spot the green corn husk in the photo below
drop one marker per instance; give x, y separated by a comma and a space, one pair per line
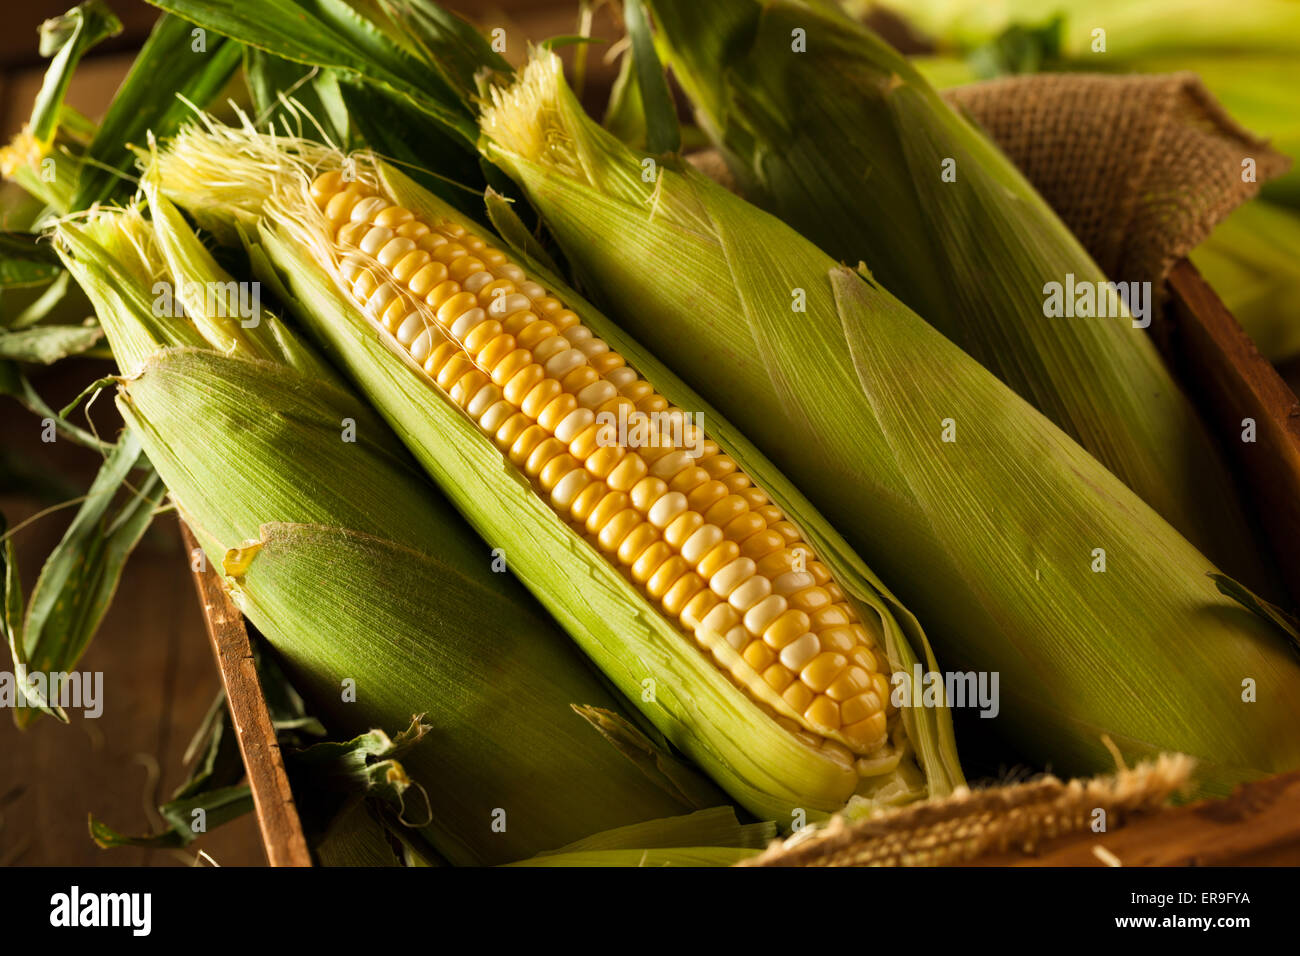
991, 536
848, 144
353, 567
705, 838
1252, 260
242, 180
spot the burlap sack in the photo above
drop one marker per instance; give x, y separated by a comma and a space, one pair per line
1140, 168
970, 824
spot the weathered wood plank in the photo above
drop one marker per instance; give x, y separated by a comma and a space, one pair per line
277, 816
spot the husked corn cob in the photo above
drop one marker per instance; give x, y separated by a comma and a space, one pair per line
678, 516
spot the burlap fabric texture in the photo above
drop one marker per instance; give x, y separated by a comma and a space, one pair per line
971, 823
1140, 168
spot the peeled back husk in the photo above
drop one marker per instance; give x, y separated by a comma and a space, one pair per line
366, 582
680, 690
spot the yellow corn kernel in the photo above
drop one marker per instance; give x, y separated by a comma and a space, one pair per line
690, 529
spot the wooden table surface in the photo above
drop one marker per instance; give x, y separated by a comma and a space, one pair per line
159, 680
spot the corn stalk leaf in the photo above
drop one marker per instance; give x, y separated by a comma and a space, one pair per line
661, 132
568, 39
337, 36
393, 128
77, 581
313, 91
460, 53
15, 384
26, 261
213, 782
167, 67
625, 113
66, 38
11, 611
218, 806
220, 764
52, 297
294, 725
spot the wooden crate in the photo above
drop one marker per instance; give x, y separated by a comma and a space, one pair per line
1260, 824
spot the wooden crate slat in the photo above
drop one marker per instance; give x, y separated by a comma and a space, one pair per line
277, 817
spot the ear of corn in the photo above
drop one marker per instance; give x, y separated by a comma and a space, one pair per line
113, 258
355, 570
993, 536
971, 256
631, 545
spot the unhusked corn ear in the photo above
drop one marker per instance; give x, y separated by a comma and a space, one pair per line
675, 514
971, 257
982, 534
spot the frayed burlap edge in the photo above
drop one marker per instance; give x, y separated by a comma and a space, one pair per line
971, 823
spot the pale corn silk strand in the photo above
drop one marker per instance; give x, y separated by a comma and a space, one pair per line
678, 516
